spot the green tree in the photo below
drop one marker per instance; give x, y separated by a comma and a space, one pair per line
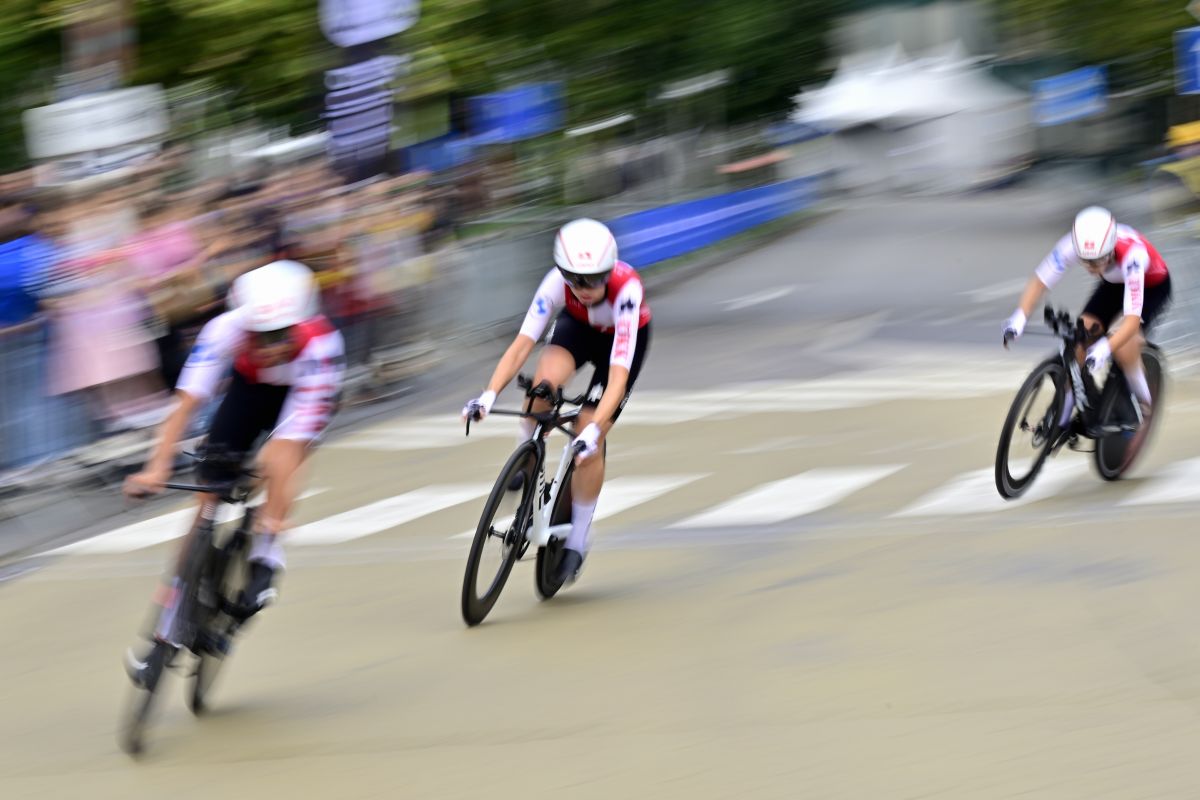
1134, 37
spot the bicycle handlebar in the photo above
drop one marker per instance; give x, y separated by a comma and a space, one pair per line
542, 391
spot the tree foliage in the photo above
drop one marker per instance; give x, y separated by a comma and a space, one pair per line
614, 55
1134, 37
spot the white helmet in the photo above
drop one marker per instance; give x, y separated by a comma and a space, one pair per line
276, 296
585, 247
1094, 233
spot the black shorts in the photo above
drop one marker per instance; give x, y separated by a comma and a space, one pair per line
589, 346
248, 413
1108, 302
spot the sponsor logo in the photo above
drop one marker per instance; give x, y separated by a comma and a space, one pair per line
596, 392
541, 306
621, 350
627, 306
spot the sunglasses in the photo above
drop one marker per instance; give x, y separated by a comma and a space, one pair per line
1097, 263
585, 281
272, 338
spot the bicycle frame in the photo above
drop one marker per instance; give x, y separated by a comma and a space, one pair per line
540, 530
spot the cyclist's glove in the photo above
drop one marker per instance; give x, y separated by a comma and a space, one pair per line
1098, 355
1014, 327
588, 440
475, 410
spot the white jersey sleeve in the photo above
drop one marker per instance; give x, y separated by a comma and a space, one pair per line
1134, 266
627, 309
315, 394
1056, 264
211, 356
551, 297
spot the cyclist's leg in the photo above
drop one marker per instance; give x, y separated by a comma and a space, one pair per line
298, 418
1102, 307
589, 476
560, 358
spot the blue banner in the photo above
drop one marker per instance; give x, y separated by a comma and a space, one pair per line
1187, 61
647, 237
522, 112
1070, 96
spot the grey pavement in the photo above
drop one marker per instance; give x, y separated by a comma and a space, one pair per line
803, 582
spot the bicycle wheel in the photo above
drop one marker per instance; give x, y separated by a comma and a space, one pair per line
225, 571
550, 555
500, 536
141, 705
1117, 450
1031, 425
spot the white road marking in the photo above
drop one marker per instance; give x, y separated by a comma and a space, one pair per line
626, 492
975, 492
1010, 288
757, 298
156, 530
791, 497
1178, 483
380, 516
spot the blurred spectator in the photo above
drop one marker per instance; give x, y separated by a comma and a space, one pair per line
101, 342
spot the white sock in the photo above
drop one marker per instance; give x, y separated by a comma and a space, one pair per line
1068, 409
526, 426
581, 525
268, 549
1136, 378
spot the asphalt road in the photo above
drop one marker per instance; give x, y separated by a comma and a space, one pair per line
803, 583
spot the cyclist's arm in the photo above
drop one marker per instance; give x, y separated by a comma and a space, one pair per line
1048, 274
306, 414
550, 298
1031, 295
1134, 269
614, 392
627, 309
206, 365
511, 362
158, 468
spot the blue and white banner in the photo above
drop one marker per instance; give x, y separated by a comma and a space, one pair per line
1070, 96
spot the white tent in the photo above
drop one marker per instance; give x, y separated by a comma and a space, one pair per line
938, 121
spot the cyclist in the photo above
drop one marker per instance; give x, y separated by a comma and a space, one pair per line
1134, 282
604, 321
285, 363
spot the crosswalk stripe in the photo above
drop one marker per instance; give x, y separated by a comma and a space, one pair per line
384, 514
626, 492
1178, 483
156, 530
975, 492
791, 497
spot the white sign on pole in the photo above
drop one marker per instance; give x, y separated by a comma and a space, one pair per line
96, 122
347, 23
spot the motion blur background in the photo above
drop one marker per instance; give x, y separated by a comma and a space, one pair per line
804, 582
154, 150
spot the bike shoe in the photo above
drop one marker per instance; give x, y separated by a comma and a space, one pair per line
569, 567
259, 593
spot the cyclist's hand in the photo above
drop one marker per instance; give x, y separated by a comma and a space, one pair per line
475, 410
1098, 355
1014, 327
144, 484
587, 442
